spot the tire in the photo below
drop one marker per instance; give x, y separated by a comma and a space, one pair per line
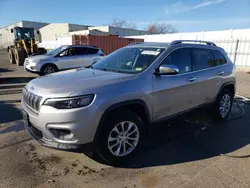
108, 150
11, 56
42, 51
20, 55
48, 69
223, 105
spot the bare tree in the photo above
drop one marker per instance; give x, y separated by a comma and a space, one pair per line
117, 22
161, 28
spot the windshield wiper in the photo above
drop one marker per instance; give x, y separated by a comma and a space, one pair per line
106, 69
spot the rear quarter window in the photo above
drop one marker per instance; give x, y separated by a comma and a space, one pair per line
219, 57
92, 50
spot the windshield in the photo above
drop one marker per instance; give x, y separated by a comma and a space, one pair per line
24, 33
129, 60
56, 51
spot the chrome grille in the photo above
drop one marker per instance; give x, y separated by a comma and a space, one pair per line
32, 100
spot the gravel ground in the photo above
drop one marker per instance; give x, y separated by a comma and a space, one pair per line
174, 155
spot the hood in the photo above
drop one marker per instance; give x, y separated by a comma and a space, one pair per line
65, 83
39, 57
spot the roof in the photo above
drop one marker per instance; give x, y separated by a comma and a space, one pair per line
175, 42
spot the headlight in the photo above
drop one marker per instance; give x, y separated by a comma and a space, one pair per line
34, 61
68, 103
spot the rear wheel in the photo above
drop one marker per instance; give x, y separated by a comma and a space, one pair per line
48, 69
20, 55
120, 137
223, 105
11, 56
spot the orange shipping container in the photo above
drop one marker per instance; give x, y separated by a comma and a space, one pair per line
107, 43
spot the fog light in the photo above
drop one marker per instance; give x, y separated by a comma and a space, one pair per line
63, 134
32, 67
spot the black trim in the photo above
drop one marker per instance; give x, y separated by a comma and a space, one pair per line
182, 112
225, 85
120, 105
59, 146
35, 72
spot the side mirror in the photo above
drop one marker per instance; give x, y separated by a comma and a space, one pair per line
37, 32
11, 30
167, 70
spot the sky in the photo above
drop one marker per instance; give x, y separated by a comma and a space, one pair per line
184, 15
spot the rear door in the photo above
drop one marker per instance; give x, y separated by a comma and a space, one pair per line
175, 93
207, 74
85, 55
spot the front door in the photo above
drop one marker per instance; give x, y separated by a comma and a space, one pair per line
175, 93
66, 59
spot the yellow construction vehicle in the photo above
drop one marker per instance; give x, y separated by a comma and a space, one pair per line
24, 45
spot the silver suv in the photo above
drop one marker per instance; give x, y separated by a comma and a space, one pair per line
63, 58
110, 105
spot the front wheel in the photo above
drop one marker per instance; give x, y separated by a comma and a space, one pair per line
223, 104
120, 137
48, 69
20, 56
11, 56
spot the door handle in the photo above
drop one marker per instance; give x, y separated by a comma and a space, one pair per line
191, 79
220, 72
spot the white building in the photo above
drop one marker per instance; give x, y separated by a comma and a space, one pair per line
54, 31
6, 37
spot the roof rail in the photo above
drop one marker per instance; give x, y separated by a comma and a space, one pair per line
195, 41
134, 43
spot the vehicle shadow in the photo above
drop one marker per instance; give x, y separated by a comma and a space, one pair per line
9, 112
192, 140
11, 86
12, 91
15, 80
14, 128
192, 137
3, 70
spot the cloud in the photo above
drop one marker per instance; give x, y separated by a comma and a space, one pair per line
180, 7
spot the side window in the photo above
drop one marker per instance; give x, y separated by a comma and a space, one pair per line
181, 59
67, 52
219, 57
85, 51
80, 51
203, 58
92, 50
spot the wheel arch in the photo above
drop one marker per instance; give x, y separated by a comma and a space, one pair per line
47, 64
228, 85
137, 106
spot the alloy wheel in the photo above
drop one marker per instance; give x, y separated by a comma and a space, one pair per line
123, 138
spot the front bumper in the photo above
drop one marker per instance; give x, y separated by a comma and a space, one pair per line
36, 134
31, 67
31, 71
82, 123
